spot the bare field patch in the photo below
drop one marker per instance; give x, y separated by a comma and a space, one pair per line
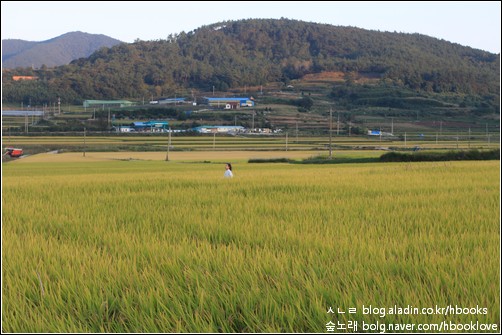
337, 76
160, 156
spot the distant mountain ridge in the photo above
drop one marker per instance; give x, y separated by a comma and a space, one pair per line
56, 51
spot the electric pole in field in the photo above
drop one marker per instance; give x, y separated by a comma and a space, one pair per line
330, 131
168, 144
296, 131
83, 154
252, 127
338, 124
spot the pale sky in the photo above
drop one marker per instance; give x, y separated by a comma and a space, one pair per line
469, 23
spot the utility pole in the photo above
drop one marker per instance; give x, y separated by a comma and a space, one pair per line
392, 126
214, 140
84, 143
59, 106
168, 145
330, 131
286, 141
338, 124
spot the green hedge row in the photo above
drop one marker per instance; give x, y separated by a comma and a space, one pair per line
441, 156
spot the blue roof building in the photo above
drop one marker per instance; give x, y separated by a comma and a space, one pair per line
152, 126
232, 102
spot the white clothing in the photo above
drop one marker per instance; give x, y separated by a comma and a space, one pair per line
228, 174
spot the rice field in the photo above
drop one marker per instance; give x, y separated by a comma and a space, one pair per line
143, 245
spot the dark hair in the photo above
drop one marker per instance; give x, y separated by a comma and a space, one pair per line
229, 166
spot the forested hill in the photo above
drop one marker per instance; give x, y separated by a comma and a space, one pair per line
257, 51
60, 50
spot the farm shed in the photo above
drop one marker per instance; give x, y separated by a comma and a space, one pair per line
232, 102
107, 103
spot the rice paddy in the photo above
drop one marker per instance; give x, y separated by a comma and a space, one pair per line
127, 242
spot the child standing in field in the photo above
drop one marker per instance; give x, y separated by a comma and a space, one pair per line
228, 171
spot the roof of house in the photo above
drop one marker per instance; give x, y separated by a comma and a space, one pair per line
219, 127
227, 99
108, 101
172, 99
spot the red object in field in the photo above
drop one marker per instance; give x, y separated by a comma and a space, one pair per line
14, 152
